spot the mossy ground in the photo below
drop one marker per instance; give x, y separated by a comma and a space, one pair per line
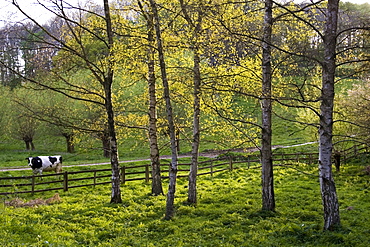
228, 213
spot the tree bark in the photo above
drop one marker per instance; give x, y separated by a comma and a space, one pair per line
170, 209
69, 141
327, 185
192, 191
157, 188
29, 144
104, 137
268, 197
108, 81
70, 144
337, 161
197, 28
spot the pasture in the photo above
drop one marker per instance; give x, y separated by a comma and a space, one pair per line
228, 213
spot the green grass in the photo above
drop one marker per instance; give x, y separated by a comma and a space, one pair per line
228, 214
13, 153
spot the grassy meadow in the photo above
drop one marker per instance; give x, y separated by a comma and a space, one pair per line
228, 213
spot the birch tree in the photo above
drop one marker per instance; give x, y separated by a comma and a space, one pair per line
268, 197
327, 185
195, 32
157, 188
107, 85
170, 208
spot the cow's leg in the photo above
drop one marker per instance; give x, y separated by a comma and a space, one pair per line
39, 173
58, 169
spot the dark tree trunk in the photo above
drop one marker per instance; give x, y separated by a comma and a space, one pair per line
170, 209
70, 142
268, 197
327, 185
337, 161
104, 137
28, 140
32, 145
157, 188
108, 81
29, 145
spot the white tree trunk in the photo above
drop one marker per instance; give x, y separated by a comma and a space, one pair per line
157, 188
268, 197
108, 81
170, 210
192, 192
327, 185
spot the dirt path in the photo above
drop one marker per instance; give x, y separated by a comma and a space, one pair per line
209, 154
22, 168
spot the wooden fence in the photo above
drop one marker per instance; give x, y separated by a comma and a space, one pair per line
67, 180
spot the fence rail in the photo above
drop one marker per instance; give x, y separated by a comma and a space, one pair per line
74, 179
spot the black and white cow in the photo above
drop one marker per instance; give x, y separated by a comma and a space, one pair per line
45, 163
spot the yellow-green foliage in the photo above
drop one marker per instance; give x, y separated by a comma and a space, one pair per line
353, 107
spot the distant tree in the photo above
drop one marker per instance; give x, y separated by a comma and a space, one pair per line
64, 117
23, 125
36, 57
23, 51
354, 107
69, 136
10, 63
25, 129
353, 40
5, 110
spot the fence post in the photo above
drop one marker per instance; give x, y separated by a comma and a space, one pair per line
337, 160
231, 164
147, 173
33, 184
94, 178
123, 174
211, 168
249, 163
65, 181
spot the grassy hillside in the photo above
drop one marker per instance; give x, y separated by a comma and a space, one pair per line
88, 149
228, 214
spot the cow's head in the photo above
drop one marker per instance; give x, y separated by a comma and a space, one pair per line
29, 159
34, 162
